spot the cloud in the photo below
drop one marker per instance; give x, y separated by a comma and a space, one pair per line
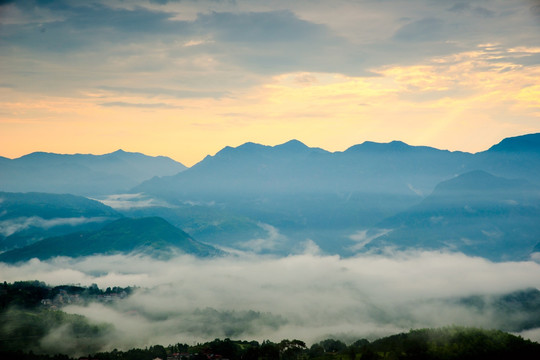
364, 237
427, 29
308, 296
261, 27
132, 201
154, 91
467, 8
69, 57
140, 105
273, 240
11, 226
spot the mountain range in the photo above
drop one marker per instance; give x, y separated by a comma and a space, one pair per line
334, 198
368, 197
82, 174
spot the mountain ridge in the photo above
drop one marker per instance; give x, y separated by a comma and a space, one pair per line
83, 174
29, 217
477, 213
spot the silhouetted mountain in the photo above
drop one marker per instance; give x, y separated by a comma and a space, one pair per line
153, 236
309, 192
529, 143
29, 217
294, 167
515, 157
475, 213
398, 167
82, 174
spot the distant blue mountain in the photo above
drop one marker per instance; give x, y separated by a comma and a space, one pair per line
475, 213
519, 144
294, 167
309, 192
81, 174
312, 193
515, 157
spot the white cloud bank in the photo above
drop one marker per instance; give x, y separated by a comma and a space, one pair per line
307, 296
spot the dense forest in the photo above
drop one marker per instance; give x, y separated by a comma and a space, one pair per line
28, 310
440, 344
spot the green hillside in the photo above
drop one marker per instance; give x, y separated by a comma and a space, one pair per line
153, 236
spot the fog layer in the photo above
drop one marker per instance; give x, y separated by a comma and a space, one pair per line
307, 296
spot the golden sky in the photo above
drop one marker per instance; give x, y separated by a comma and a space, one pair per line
185, 79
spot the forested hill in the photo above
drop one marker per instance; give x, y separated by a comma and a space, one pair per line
152, 236
444, 343
30, 311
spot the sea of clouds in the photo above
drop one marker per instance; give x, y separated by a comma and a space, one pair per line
308, 296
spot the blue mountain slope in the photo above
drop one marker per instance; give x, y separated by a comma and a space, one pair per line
29, 217
515, 157
152, 236
475, 213
82, 174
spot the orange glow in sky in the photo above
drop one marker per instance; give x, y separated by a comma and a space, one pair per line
187, 96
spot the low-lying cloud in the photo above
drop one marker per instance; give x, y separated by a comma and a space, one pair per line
132, 201
11, 226
307, 296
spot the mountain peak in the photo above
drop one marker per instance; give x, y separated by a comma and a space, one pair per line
292, 144
480, 181
380, 147
522, 143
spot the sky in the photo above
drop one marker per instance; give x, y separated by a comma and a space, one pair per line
186, 78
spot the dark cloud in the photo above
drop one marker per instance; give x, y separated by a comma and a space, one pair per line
535, 10
272, 41
278, 41
204, 54
467, 8
86, 24
262, 27
460, 7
